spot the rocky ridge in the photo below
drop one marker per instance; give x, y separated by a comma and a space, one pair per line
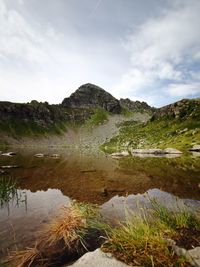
186, 108
135, 105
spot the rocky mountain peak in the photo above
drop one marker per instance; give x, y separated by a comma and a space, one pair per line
92, 96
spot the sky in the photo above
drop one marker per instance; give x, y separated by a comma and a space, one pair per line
146, 50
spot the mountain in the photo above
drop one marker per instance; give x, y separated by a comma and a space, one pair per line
92, 96
37, 118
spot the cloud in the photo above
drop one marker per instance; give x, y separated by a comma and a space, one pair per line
163, 51
179, 90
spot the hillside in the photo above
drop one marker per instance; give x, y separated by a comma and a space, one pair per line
88, 104
176, 125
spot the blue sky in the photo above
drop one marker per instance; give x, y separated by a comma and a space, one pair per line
144, 50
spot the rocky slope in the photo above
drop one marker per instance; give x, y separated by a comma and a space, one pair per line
130, 105
176, 126
184, 109
92, 96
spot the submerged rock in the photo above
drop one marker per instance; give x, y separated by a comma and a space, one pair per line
98, 258
9, 167
120, 154
55, 156
9, 154
39, 155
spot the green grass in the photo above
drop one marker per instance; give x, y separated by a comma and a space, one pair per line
19, 128
176, 219
180, 134
141, 240
100, 116
7, 190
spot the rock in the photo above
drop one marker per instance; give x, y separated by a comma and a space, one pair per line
155, 151
9, 166
9, 154
135, 105
55, 156
172, 151
195, 256
186, 108
98, 258
195, 148
92, 96
39, 155
120, 154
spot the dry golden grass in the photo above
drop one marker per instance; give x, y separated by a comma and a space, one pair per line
61, 234
64, 227
24, 258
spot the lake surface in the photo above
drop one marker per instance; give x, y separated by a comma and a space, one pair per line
44, 184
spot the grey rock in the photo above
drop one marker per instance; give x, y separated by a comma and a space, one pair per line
92, 96
135, 105
39, 155
120, 154
186, 108
195, 256
9, 154
9, 167
147, 151
172, 151
55, 156
195, 148
98, 258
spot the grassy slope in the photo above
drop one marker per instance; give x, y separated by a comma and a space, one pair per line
163, 133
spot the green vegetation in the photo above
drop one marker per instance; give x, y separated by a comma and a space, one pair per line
67, 235
163, 133
7, 190
99, 117
20, 128
140, 240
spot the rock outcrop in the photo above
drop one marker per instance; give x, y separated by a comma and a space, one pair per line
92, 96
135, 105
186, 108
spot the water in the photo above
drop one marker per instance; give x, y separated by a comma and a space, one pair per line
45, 184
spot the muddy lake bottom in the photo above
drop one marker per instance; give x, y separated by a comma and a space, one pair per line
45, 184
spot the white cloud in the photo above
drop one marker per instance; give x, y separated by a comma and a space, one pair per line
187, 90
162, 51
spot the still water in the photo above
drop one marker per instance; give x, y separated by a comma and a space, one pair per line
44, 184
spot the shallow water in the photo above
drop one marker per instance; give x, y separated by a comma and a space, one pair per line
45, 184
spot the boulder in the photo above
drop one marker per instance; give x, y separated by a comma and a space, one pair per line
172, 151
120, 154
9, 154
39, 155
156, 151
195, 148
98, 258
9, 167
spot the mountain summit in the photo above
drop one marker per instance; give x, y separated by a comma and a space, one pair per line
92, 96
